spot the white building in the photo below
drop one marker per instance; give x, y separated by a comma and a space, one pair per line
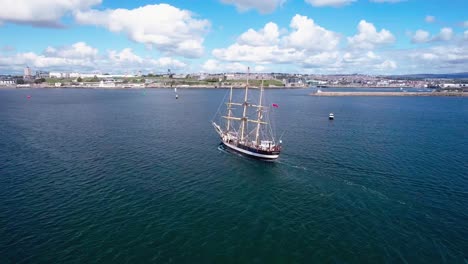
109, 84
451, 85
6, 82
27, 73
58, 75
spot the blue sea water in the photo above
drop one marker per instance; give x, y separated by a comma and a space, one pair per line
133, 176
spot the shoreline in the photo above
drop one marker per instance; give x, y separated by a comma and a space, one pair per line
425, 94
146, 87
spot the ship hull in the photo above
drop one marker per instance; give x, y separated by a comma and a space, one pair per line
260, 154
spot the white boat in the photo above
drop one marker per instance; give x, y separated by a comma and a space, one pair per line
255, 141
331, 116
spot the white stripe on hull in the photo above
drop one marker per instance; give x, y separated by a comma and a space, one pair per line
263, 156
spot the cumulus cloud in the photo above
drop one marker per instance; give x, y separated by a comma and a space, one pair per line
171, 30
263, 6
168, 62
309, 36
322, 59
267, 46
420, 36
450, 57
368, 37
263, 54
42, 13
430, 19
127, 58
387, 65
264, 37
42, 61
445, 34
305, 45
357, 57
82, 57
124, 56
332, 3
77, 50
215, 66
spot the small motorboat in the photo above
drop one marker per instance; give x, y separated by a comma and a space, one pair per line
331, 116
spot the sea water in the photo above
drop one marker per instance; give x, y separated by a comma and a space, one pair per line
137, 176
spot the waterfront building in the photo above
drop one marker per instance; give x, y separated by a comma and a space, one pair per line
7, 82
27, 73
42, 74
58, 75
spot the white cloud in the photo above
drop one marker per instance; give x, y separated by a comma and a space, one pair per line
465, 34
82, 57
77, 50
127, 58
387, 65
260, 68
41, 12
305, 40
465, 24
333, 3
167, 62
322, 59
306, 46
124, 56
171, 30
445, 34
359, 57
215, 66
430, 19
266, 36
444, 56
309, 36
211, 66
17, 61
420, 36
263, 6
368, 37
262, 54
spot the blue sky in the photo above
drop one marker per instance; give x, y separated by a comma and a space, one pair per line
297, 36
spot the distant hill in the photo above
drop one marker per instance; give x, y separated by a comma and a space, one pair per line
460, 75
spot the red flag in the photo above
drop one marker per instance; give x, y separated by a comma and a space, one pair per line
275, 105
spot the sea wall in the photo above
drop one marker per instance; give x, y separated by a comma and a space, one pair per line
389, 94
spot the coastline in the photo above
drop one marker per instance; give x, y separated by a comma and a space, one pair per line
423, 94
145, 87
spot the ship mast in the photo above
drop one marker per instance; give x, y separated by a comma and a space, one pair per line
228, 125
259, 114
244, 117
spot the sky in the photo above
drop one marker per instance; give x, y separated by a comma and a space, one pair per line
216, 36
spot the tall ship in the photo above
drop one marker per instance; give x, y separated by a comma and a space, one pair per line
247, 128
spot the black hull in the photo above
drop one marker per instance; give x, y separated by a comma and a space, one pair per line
252, 152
